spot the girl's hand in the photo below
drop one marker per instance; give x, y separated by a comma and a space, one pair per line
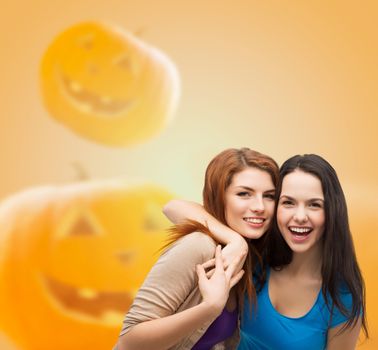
229, 253
215, 290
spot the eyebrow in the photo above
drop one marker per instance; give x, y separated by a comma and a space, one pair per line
309, 200
252, 190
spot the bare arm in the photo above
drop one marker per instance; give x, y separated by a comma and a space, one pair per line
179, 210
165, 331
346, 340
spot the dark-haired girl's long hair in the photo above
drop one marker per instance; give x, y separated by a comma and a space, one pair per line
340, 268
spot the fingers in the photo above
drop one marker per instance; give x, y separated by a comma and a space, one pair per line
235, 279
220, 267
201, 273
209, 263
210, 273
218, 259
209, 266
234, 264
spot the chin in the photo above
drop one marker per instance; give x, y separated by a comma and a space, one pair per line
253, 235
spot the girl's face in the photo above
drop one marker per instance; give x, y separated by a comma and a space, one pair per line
249, 203
300, 211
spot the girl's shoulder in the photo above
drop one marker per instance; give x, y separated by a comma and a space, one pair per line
197, 245
333, 313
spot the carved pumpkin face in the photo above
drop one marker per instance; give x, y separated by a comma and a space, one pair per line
107, 85
72, 259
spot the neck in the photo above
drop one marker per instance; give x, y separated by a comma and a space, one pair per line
308, 263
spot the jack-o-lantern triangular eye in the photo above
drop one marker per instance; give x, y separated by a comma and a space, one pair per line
79, 223
154, 220
83, 227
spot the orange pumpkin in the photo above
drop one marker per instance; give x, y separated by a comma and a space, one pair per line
71, 259
107, 85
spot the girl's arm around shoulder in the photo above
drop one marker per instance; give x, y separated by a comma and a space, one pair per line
178, 210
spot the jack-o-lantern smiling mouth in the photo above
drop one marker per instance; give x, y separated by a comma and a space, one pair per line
103, 306
90, 102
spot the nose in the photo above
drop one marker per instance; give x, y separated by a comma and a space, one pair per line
300, 215
257, 205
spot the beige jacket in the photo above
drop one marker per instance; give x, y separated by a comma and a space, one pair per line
172, 286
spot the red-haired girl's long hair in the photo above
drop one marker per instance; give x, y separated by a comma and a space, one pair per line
218, 177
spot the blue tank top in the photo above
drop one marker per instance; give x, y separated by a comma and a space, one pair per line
266, 329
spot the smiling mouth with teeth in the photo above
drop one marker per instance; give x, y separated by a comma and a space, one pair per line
300, 231
254, 220
88, 101
109, 307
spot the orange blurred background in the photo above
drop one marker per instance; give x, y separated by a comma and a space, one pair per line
279, 77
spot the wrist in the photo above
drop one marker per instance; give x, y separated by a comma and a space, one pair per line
238, 240
227, 235
213, 309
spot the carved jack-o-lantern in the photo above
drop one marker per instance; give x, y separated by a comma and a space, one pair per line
107, 85
71, 259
